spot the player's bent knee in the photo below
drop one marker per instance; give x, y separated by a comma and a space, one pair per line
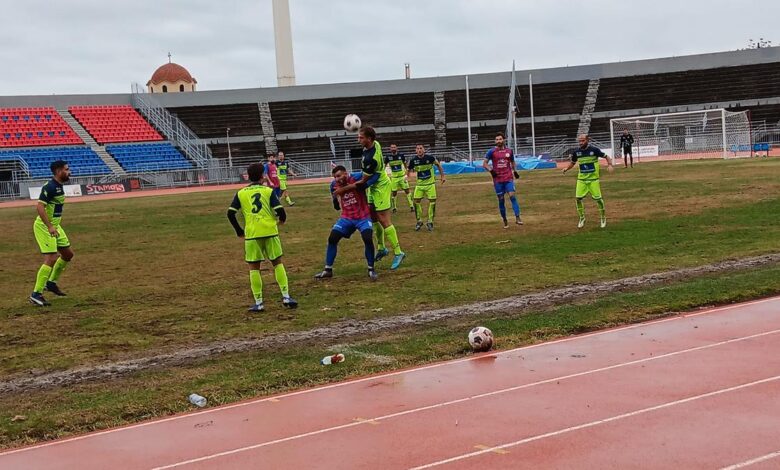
367, 236
334, 237
277, 261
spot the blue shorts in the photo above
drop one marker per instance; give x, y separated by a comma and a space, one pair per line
278, 193
347, 227
503, 188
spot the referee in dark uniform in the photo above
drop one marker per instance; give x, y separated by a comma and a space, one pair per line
627, 143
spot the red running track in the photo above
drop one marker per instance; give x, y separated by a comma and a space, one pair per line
692, 391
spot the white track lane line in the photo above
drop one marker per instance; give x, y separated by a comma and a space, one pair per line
599, 422
462, 400
750, 462
392, 374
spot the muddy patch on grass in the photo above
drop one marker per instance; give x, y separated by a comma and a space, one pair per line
347, 329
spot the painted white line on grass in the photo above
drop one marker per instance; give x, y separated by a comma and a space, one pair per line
750, 462
462, 400
274, 398
599, 422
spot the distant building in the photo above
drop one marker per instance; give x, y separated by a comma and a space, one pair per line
171, 78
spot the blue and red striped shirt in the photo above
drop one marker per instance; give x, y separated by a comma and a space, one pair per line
354, 204
502, 163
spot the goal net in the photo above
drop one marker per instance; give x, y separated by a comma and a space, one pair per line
714, 133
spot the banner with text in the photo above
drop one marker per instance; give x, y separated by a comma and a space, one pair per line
71, 190
105, 188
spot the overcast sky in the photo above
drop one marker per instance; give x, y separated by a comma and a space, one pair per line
102, 46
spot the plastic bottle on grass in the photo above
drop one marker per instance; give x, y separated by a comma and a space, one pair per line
197, 400
334, 359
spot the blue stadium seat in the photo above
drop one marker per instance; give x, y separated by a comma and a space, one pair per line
149, 157
83, 161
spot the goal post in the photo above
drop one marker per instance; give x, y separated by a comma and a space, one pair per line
711, 133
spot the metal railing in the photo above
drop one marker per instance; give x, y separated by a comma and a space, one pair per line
175, 130
305, 165
16, 165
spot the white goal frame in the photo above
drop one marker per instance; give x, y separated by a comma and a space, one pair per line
708, 133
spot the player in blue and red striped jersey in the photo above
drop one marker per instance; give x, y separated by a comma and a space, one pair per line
500, 162
355, 215
271, 176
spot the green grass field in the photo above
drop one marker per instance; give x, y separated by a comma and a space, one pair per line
158, 274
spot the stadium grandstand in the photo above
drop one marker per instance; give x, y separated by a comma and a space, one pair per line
206, 137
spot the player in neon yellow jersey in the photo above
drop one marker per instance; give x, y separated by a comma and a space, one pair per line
51, 237
263, 213
379, 195
283, 169
588, 181
398, 169
423, 165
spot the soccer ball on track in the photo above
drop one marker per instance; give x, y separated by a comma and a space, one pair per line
352, 123
481, 339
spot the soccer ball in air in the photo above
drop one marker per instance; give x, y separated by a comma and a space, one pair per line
352, 123
481, 339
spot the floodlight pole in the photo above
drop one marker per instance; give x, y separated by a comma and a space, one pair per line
468, 117
531, 97
285, 65
514, 128
227, 139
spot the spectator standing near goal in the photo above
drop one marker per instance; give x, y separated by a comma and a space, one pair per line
627, 144
588, 181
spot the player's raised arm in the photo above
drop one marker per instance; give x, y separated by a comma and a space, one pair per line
336, 204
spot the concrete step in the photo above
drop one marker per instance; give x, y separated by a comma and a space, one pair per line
591, 98
267, 125
100, 150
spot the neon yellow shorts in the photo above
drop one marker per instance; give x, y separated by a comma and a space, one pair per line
282, 184
588, 187
260, 249
425, 191
380, 196
398, 184
46, 242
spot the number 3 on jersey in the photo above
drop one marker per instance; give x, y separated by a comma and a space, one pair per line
258, 205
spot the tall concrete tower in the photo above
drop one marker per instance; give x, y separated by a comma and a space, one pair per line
285, 66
